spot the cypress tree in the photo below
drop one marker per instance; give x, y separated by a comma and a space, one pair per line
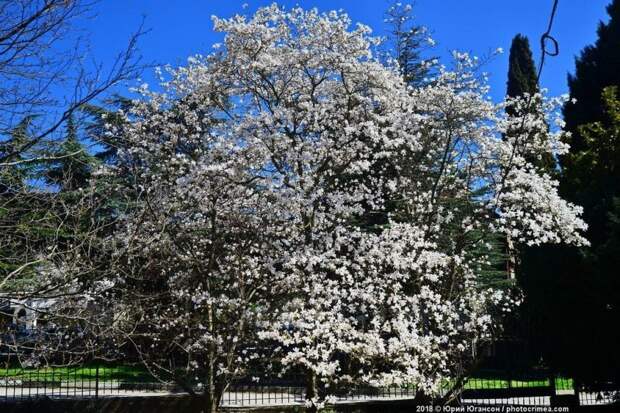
522, 81
597, 68
521, 68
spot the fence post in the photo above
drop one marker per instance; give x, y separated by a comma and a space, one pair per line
576, 386
552, 384
97, 382
570, 401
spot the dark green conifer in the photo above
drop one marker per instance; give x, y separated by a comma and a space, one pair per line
578, 289
72, 163
521, 68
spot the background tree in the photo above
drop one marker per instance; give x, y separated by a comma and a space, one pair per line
523, 83
103, 124
578, 332
526, 324
521, 69
71, 166
407, 42
43, 82
596, 68
13, 179
15, 174
588, 302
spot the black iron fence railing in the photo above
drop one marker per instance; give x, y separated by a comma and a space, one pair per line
490, 387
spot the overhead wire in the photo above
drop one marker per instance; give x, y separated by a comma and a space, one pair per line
547, 38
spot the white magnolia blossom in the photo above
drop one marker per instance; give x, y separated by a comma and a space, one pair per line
292, 193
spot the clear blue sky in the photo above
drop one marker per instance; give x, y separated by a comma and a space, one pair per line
180, 28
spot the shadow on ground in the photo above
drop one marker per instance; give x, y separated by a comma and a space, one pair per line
184, 404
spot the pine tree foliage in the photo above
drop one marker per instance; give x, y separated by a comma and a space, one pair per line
102, 124
72, 164
14, 175
409, 41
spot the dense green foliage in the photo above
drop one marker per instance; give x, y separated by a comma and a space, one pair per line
598, 66
25, 216
521, 68
46, 209
577, 291
71, 165
592, 178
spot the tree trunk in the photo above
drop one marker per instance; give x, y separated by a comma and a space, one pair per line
511, 263
421, 399
311, 391
211, 399
210, 403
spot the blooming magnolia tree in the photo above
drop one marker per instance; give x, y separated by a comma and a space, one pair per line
290, 192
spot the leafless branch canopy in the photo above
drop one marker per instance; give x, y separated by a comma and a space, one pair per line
42, 69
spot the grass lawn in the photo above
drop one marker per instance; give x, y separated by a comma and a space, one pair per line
138, 374
134, 374
491, 383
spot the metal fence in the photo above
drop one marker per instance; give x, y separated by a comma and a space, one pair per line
487, 388
535, 390
269, 395
75, 382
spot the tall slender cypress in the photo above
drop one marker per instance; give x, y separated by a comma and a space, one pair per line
521, 68
522, 82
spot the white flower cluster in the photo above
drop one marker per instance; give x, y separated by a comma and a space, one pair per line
292, 191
